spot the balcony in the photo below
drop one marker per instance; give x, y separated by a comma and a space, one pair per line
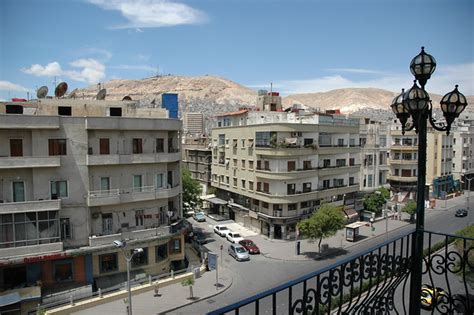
280, 151
403, 162
117, 196
404, 147
115, 159
101, 240
28, 122
375, 281
10, 162
124, 123
337, 170
404, 179
32, 250
335, 149
30, 206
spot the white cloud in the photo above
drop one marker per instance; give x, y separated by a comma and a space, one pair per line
152, 13
442, 82
97, 53
92, 70
9, 86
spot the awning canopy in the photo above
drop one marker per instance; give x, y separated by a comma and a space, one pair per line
9, 299
351, 213
217, 201
236, 205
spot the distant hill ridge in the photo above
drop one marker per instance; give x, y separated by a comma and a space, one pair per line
212, 94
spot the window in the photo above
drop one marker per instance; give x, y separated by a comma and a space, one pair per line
115, 111
290, 189
397, 172
139, 217
57, 146
104, 146
306, 187
16, 147
306, 165
234, 162
235, 181
326, 183
251, 165
160, 145
351, 180
383, 141
340, 162
266, 187
175, 246
291, 165
340, 142
369, 180
227, 179
105, 183
265, 205
137, 146
65, 229
243, 164
292, 206
63, 271
159, 180
243, 183
161, 252
13, 109
107, 223
59, 189
326, 163
108, 263
18, 189
351, 162
250, 185
64, 110
170, 179
264, 139
137, 183
305, 204
140, 259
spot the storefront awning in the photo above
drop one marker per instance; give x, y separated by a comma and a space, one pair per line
217, 201
351, 213
236, 205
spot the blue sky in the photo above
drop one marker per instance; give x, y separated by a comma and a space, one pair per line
299, 45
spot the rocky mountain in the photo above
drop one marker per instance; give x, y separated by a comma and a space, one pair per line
212, 94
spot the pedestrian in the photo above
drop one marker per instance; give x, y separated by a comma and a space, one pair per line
157, 289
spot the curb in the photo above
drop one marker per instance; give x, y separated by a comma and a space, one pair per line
199, 300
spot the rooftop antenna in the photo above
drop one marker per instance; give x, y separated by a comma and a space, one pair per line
60, 90
101, 95
42, 92
54, 82
99, 86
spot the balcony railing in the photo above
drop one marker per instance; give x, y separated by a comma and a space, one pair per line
116, 196
375, 282
29, 161
29, 206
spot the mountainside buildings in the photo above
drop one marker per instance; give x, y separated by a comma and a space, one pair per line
75, 175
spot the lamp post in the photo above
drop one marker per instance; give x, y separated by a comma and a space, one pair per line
416, 104
128, 258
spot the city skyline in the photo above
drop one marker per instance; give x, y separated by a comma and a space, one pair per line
301, 46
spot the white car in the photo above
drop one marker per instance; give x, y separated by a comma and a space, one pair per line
221, 230
234, 237
238, 252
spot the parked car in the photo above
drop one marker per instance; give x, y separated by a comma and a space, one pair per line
221, 230
250, 246
430, 296
233, 237
238, 252
200, 238
199, 217
461, 213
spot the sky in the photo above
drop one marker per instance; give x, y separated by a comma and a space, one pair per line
299, 46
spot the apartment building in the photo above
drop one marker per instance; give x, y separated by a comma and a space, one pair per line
197, 158
374, 140
75, 175
194, 124
274, 168
463, 148
403, 162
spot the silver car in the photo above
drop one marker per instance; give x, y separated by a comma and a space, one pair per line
238, 252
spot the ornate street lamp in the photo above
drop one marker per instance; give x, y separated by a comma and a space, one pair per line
416, 103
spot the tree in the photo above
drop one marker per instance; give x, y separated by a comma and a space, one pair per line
324, 222
410, 208
189, 281
191, 189
375, 201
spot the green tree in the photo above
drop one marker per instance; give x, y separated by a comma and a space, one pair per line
410, 208
324, 222
191, 189
374, 202
189, 281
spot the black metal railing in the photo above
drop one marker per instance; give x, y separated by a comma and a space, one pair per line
376, 282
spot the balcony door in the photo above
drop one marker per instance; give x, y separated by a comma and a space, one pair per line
18, 191
16, 147
104, 146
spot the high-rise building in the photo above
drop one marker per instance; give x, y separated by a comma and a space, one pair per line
75, 175
463, 148
194, 124
274, 168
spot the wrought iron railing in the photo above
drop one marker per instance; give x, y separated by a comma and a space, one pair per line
376, 282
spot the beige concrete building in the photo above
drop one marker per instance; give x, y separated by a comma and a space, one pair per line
197, 158
463, 147
403, 161
75, 175
375, 148
274, 168
194, 124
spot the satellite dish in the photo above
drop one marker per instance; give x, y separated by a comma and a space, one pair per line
72, 94
101, 95
61, 89
126, 98
42, 92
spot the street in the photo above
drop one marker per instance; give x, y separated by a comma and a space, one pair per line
261, 273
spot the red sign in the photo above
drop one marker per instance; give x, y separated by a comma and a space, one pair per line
29, 260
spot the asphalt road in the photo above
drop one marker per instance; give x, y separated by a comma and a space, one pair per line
260, 273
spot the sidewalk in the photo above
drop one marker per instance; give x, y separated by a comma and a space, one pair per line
170, 297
